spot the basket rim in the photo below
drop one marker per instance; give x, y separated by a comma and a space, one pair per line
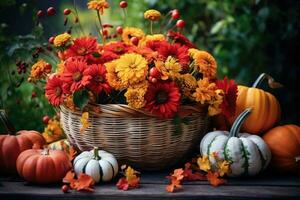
123, 110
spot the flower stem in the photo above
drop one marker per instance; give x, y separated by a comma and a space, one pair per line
10, 129
101, 27
151, 27
77, 15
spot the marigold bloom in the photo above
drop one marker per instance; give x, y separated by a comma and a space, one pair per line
151, 38
135, 97
214, 107
55, 91
62, 39
205, 91
152, 15
206, 63
39, 70
130, 32
163, 99
112, 76
60, 67
170, 69
131, 68
188, 85
99, 5
53, 131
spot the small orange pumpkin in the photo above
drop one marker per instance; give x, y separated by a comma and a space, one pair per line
284, 143
43, 166
266, 108
12, 144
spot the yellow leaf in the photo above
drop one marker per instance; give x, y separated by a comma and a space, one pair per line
204, 163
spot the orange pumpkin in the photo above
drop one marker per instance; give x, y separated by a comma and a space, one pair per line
43, 166
284, 143
12, 144
266, 108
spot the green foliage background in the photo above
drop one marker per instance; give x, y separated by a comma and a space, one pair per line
247, 37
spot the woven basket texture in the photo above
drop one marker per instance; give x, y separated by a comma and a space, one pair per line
134, 137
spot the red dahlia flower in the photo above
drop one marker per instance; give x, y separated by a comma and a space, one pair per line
175, 50
230, 94
98, 82
83, 46
181, 39
73, 74
163, 99
55, 91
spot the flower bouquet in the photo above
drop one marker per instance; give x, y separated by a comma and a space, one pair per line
144, 97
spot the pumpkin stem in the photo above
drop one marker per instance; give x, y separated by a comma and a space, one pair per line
234, 131
96, 153
10, 129
297, 158
271, 82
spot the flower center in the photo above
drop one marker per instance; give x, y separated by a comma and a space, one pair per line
119, 49
77, 76
161, 97
81, 51
99, 79
58, 91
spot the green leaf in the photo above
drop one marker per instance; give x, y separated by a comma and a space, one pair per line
81, 98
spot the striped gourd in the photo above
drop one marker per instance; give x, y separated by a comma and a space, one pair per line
100, 165
247, 154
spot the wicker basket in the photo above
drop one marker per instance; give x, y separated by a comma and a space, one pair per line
135, 137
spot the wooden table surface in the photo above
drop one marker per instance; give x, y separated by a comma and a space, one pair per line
153, 187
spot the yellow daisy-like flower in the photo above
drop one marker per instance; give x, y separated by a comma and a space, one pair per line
130, 32
131, 68
188, 85
205, 91
206, 64
152, 15
223, 167
193, 51
149, 38
99, 5
203, 163
84, 121
62, 39
39, 70
53, 131
214, 107
135, 97
112, 76
169, 69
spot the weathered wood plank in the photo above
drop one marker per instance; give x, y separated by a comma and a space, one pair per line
17, 190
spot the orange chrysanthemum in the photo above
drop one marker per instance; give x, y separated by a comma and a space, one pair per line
39, 70
206, 64
205, 91
99, 5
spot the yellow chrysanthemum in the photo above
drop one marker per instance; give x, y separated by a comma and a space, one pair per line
131, 68
203, 163
169, 69
84, 121
214, 107
53, 131
188, 85
62, 39
192, 52
223, 167
135, 97
130, 32
149, 38
152, 15
99, 5
206, 64
205, 91
112, 76
70, 103
39, 70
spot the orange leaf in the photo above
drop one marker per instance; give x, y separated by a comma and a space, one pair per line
122, 184
178, 173
190, 176
69, 178
84, 182
213, 178
175, 184
72, 153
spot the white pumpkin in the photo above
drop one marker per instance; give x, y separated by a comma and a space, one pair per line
247, 154
100, 165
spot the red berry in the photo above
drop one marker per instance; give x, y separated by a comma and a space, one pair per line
153, 80
123, 4
67, 11
175, 14
51, 40
46, 119
134, 41
65, 188
51, 11
33, 94
105, 32
180, 23
154, 72
40, 13
119, 30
